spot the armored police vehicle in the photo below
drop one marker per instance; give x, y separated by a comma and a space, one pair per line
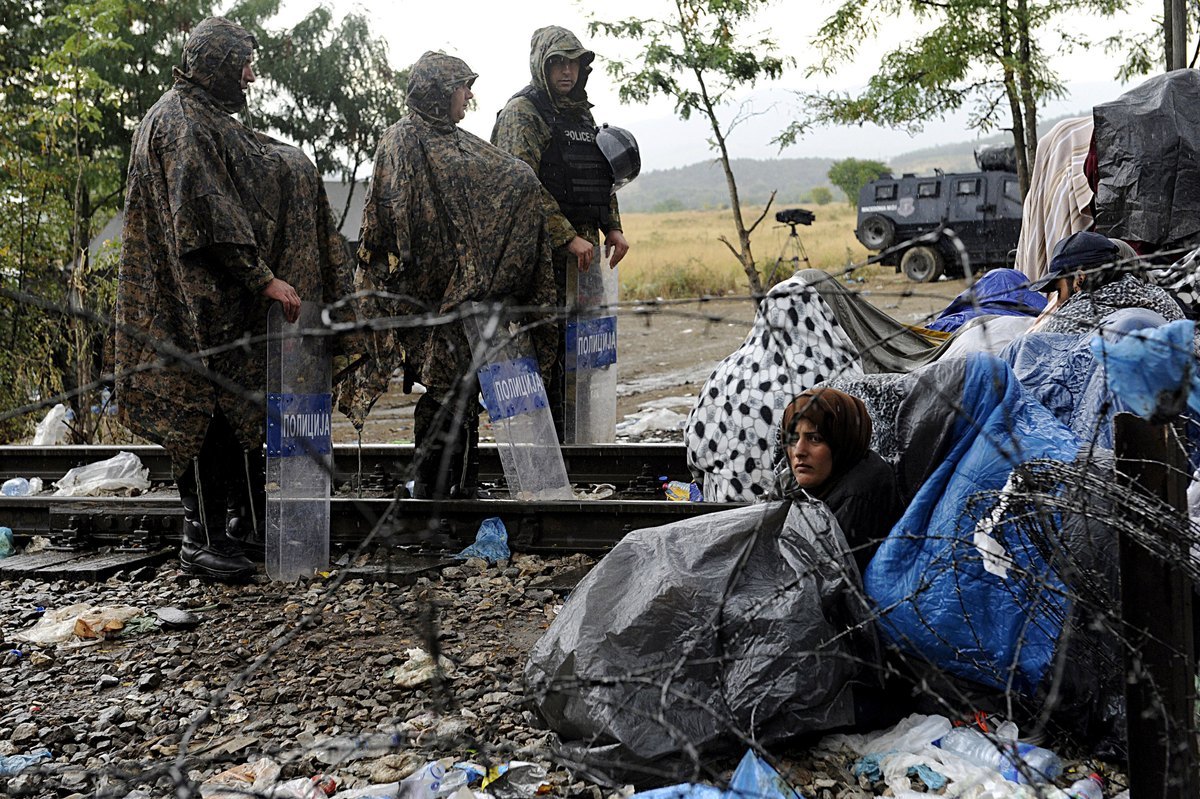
983, 209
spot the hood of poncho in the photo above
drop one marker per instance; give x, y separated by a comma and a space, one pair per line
551, 41
431, 81
213, 58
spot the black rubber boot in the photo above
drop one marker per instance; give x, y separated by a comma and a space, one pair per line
447, 457
466, 460
214, 557
245, 507
429, 437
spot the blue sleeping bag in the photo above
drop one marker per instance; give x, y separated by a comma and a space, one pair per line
1062, 372
1000, 292
976, 600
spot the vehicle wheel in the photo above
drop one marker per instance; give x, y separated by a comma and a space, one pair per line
922, 264
876, 232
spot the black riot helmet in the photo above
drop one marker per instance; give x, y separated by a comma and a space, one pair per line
621, 151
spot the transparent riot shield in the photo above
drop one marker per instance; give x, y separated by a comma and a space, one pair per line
515, 397
299, 444
590, 415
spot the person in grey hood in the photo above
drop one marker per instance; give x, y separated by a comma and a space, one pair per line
549, 125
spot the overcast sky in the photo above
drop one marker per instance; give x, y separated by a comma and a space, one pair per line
493, 37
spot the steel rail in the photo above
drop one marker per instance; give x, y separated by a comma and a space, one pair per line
154, 520
383, 465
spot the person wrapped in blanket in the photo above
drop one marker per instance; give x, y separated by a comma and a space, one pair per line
732, 432
1095, 287
1091, 277
826, 455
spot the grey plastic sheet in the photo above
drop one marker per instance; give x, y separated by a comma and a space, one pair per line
728, 627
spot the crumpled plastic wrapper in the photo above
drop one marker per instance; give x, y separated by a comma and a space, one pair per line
122, 473
78, 621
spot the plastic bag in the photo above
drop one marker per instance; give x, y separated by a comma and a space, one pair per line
260, 779
1151, 369
78, 621
6, 542
713, 583
646, 421
491, 542
1147, 141
122, 472
52, 430
754, 777
20, 487
418, 669
15, 764
679, 491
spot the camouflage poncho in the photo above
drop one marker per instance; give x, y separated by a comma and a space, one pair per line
213, 213
449, 219
521, 130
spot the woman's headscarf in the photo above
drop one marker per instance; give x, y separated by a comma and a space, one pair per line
431, 81
841, 419
213, 58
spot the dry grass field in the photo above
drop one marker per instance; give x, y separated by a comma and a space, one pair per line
677, 254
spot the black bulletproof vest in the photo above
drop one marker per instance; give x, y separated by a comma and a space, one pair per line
573, 169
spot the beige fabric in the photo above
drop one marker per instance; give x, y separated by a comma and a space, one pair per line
1059, 196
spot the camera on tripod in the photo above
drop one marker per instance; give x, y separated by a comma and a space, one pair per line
795, 216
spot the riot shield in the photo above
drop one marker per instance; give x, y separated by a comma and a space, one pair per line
590, 415
515, 397
299, 444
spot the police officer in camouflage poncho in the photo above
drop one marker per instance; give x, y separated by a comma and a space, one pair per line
549, 125
450, 219
219, 223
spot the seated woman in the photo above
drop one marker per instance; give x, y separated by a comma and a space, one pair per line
1089, 278
732, 431
827, 456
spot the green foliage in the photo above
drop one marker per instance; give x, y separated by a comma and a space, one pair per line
983, 55
851, 174
75, 79
1143, 51
821, 195
696, 57
333, 90
59, 157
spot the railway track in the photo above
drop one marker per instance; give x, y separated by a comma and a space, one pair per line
92, 538
381, 463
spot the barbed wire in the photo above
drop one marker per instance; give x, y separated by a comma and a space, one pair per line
1069, 513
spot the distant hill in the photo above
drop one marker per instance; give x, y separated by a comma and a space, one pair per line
702, 186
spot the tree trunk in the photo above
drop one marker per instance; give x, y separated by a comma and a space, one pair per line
1168, 36
1179, 35
1025, 78
1014, 101
743, 252
349, 193
80, 355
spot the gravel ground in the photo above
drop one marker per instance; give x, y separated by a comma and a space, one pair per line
316, 677
325, 678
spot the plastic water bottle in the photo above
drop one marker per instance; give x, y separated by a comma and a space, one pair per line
16, 487
1090, 787
423, 783
1017, 762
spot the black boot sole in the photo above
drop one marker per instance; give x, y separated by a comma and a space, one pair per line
231, 578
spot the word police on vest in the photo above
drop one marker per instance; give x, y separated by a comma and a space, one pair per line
580, 135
